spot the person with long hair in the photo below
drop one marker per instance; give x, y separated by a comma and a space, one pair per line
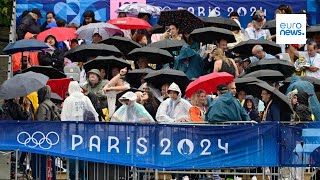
199, 106
224, 64
150, 103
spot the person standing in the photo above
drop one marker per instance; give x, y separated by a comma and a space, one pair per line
29, 24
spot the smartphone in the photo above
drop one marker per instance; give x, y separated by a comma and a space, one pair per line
167, 28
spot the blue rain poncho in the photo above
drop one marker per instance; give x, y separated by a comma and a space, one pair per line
131, 111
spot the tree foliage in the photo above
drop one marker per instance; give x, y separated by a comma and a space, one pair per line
5, 12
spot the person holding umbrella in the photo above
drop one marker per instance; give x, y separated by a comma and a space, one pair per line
95, 84
199, 106
255, 31
174, 109
189, 62
55, 58
258, 54
172, 32
96, 38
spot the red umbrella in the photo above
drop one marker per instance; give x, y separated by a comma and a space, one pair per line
59, 86
130, 23
208, 83
60, 33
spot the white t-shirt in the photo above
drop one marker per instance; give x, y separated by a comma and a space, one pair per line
314, 61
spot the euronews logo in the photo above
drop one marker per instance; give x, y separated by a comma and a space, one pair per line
291, 28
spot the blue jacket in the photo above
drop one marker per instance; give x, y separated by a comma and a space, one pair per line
300, 85
226, 108
273, 113
194, 68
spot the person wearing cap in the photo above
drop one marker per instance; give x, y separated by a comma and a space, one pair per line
131, 111
255, 31
95, 84
29, 24
258, 54
174, 109
226, 108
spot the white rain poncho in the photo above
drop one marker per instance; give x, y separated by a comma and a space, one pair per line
173, 110
132, 111
76, 104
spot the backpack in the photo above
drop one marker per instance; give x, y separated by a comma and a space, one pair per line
88, 116
55, 116
5, 113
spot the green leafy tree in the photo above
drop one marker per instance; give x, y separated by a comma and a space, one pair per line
5, 12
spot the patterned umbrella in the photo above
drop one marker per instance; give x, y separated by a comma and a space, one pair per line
186, 21
136, 8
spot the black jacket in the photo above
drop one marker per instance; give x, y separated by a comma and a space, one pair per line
303, 111
16, 112
28, 24
55, 60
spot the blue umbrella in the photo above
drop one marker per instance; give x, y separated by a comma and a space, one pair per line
51, 25
25, 45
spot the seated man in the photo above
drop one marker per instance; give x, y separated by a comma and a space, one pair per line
272, 110
226, 108
259, 54
174, 109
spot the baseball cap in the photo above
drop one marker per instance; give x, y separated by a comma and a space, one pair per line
37, 12
302, 11
222, 88
257, 18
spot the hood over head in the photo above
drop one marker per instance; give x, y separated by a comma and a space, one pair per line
174, 87
74, 87
33, 97
185, 52
303, 98
132, 97
227, 98
44, 94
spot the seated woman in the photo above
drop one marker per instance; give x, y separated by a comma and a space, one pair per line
198, 110
224, 64
250, 108
131, 111
174, 109
150, 103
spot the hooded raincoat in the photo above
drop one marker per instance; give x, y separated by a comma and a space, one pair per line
300, 85
253, 112
47, 109
189, 62
76, 104
33, 98
226, 108
302, 110
132, 111
173, 110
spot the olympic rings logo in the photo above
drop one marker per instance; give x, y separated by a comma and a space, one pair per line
38, 139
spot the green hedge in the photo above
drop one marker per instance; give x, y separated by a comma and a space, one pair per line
5, 12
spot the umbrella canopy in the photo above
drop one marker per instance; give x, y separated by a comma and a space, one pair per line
154, 55
60, 33
55, 96
266, 75
163, 76
106, 62
125, 45
136, 8
22, 84
245, 47
85, 51
283, 66
105, 30
210, 34
241, 83
313, 30
157, 29
312, 80
25, 45
133, 77
221, 22
256, 88
186, 20
208, 83
130, 23
59, 86
271, 25
168, 44
49, 71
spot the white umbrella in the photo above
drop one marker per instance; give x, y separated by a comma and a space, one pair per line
105, 30
136, 8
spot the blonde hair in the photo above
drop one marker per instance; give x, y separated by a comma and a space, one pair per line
220, 53
195, 97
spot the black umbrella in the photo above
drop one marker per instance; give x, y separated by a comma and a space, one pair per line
133, 77
163, 76
83, 52
56, 96
22, 84
313, 30
271, 25
312, 80
186, 21
125, 45
49, 71
154, 55
106, 62
283, 66
266, 75
157, 29
210, 34
256, 89
245, 47
168, 44
241, 83
221, 22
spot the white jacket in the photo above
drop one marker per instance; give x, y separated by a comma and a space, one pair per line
170, 110
75, 105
